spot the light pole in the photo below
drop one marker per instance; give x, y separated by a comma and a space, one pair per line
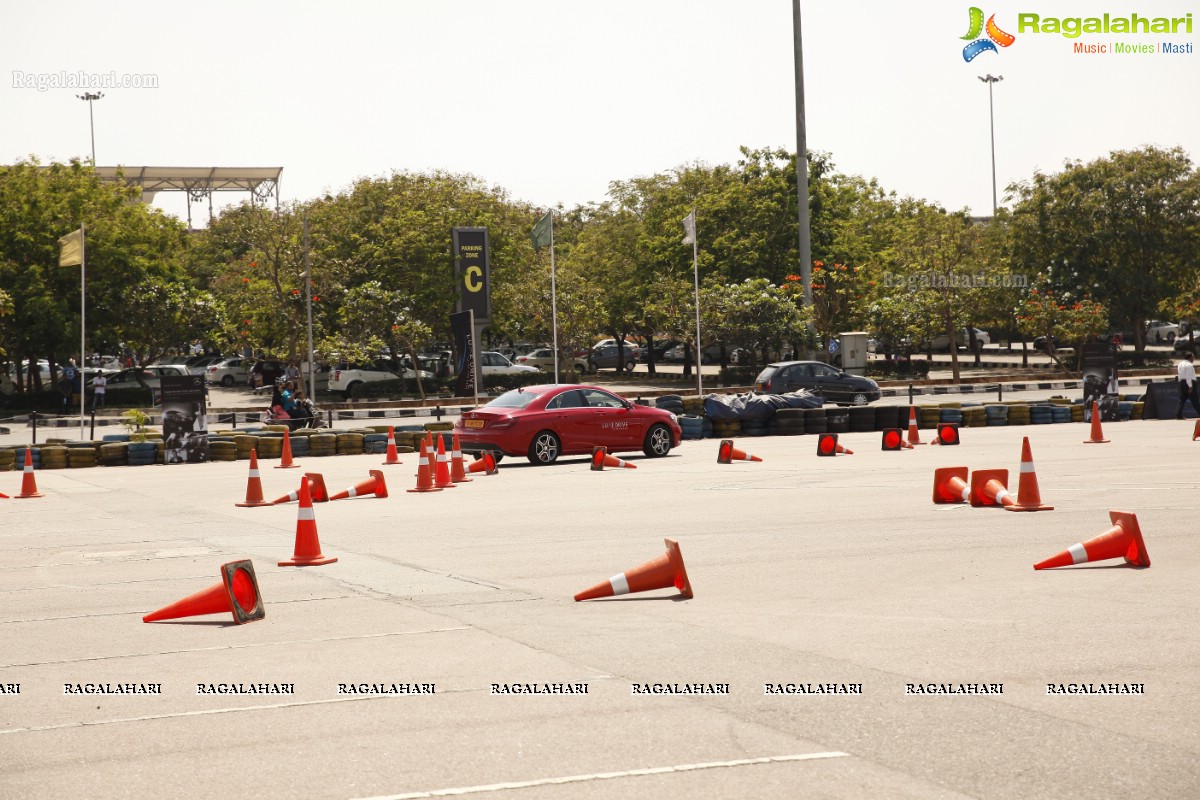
89, 97
989, 80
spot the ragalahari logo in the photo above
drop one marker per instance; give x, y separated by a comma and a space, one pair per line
995, 36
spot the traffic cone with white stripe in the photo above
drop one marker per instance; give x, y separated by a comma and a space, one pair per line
950, 485
237, 592
28, 482
1122, 540
601, 458
254, 495
727, 453
374, 485
1029, 498
989, 487
661, 573
307, 552
457, 473
441, 468
914, 435
1097, 432
285, 457
486, 463
425, 472
392, 456
316, 490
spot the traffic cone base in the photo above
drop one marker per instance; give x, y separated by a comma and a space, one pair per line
947, 434
375, 485
316, 487
989, 487
601, 458
661, 573
486, 463
727, 453
1097, 436
950, 485
307, 552
392, 456
1029, 497
254, 494
1122, 540
285, 457
28, 481
237, 593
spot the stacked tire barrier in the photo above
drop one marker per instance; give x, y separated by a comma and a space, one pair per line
815, 420
727, 428
245, 442
974, 415
693, 426
349, 443
8, 460
997, 414
222, 448
142, 453
81, 454
670, 402
787, 422
1018, 414
1041, 414
862, 419
270, 445
54, 456
114, 454
322, 444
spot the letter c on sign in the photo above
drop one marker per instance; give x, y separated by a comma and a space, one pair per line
473, 279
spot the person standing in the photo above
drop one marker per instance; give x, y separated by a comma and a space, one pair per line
1186, 373
99, 387
69, 384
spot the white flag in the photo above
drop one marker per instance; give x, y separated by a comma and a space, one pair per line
689, 226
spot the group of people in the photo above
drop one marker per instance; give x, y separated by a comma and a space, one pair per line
289, 403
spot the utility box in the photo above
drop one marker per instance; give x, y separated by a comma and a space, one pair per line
854, 352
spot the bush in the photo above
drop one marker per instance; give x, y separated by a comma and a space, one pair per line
739, 376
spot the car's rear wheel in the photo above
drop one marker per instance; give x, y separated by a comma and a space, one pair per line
629, 365
658, 441
227, 381
349, 393
544, 448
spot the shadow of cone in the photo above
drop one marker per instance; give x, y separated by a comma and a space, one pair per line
1097, 431
374, 485
1122, 540
392, 456
486, 464
237, 593
661, 573
950, 485
727, 453
254, 494
1029, 497
457, 473
989, 487
307, 552
28, 482
424, 472
285, 458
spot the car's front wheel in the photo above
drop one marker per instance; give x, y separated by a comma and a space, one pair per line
544, 448
658, 441
859, 399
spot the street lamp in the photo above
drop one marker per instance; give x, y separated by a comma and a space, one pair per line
989, 80
89, 97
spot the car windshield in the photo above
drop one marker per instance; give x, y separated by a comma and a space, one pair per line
517, 398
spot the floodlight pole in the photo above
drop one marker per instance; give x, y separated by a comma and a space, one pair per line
989, 80
89, 97
805, 232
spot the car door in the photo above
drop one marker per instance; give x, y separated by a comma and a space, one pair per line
614, 425
829, 383
797, 376
568, 414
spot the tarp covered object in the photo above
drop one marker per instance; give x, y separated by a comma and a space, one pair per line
753, 406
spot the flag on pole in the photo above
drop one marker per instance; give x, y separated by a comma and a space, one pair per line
689, 226
71, 249
542, 231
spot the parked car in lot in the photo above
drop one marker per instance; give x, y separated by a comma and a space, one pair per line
604, 356
1158, 332
492, 363
545, 422
345, 376
708, 355
819, 378
982, 338
229, 372
543, 359
151, 376
198, 365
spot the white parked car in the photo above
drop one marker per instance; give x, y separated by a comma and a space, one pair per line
230, 371
491, 363
982, 339
344, 377
1158, 332
543, 359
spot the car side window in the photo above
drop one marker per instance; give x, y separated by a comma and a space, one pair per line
824, 371
598, 399
571, 399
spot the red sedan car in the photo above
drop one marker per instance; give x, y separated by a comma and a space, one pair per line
545, 422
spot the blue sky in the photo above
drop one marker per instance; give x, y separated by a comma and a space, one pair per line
553, 99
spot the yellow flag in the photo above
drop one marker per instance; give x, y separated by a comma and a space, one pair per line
71, 252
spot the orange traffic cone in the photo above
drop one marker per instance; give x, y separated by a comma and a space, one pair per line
950, 485
457, 474
601, 458
392, 456
1028, 496
727, 453
664, 571
373, 485
947, 434
285, 459
827, 445
316, 490
441, 468
1122, 540
254, 495
1097, 432
1196, 431
307, 552
486, 464
237, 592
425, 472
914, 436
989, 487
28, 482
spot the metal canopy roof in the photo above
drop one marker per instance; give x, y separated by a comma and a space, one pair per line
198, 182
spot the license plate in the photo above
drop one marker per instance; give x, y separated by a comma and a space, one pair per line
473, 423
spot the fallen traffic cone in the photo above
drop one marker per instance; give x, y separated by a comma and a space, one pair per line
457, 473
914, 437
1028, 496
989, 487
28, 482
374, 485
1097, 432
285, 458
441, 469
237, 592
307, 552
947, 434
1196, 431
664, 571
425, 472
1122, 540
392, 456
254, 495
827, 445
601, 458
950, 485
486, 463
727, 453
316, 490
893, 439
